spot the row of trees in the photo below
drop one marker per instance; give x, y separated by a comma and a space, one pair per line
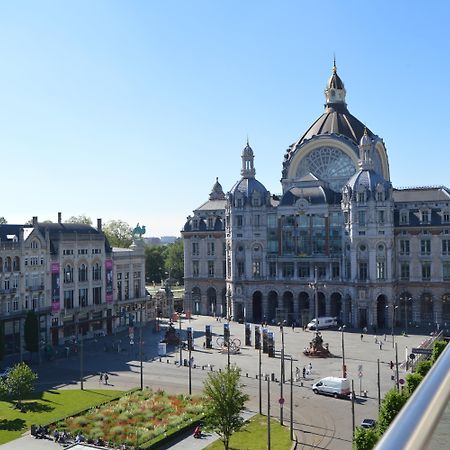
393, 402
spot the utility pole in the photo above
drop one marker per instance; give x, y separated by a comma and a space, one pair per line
268, 413
260, 381
292, 404
181, 342
140, 351
281, 374
353, 410
396, 368
378, 384
81, 362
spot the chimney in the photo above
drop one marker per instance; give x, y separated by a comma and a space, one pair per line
99, 224
59, 217
35, 221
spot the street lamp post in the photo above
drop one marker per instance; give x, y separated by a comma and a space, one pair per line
181, 342
394, 307
313, 286
406, 300
292, 404
140, 351
344, 369
260, 381
281, 373
190, 366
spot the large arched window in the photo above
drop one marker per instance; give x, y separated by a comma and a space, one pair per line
68, 274
97, 272
82, 273
329, 164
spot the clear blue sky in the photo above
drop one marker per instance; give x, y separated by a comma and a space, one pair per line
130, 109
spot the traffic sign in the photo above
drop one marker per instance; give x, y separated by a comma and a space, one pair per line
412, 356
281, 400
401, 381
360, 374
422, 351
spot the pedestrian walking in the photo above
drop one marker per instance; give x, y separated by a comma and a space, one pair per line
304, 372
106, 377
100, 378
297, 374
362, 336
381, 345
309, 368
376, 340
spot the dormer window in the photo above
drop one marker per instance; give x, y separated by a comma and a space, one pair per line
380, 196
445, 216
239, 203
425, 216
361, 197
404, 217
210, 222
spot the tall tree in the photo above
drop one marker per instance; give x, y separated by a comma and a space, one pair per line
31, 332
119, 233
19, 383
225, 402
174, 260
154, 264
2, 341
83, 218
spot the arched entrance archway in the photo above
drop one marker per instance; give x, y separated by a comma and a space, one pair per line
426, 309
381, 311
303, 308
257, 306
406, 310
223, 304
336, 306
211, 301
321, 304
273, 305
196, 300
288, 307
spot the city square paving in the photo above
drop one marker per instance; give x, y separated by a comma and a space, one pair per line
319, 421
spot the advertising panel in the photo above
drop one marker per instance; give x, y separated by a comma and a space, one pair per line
56, 298
208, 335
270, 344
264, 333
257, 337
248, 334
109, 280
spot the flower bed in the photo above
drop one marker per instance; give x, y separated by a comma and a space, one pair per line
136, 418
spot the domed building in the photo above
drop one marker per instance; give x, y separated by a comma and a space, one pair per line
338, 238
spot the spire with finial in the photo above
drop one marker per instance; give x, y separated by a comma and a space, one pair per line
248, 169
217, 191
335, 90
365, 151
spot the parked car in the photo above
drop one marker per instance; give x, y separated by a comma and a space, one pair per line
324, 322
337, 387
368, 423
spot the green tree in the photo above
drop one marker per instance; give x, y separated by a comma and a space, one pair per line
83, 218
154, 263
118, 233
365, 438
2, 341
225, 401
31, 332
412, 381
390, 406
19, 383
174, 260
438, 348
422, 367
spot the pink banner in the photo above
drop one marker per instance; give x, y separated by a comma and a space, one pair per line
55, 287
109, 280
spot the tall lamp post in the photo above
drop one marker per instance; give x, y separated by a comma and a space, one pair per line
313, 286
140, 350
281, 373
190, 339
344, 368
181, 342
394, 307
406, 300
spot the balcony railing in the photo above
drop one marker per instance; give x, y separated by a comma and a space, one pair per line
413, 428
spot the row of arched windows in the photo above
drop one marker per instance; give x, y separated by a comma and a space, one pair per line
9, 264
83, 273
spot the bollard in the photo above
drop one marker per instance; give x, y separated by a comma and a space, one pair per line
246, 375
160, 359
168, 361
272, 377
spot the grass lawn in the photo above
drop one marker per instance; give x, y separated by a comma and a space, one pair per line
46, 406
253, 436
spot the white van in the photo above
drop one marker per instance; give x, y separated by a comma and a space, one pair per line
324, 322
337, 387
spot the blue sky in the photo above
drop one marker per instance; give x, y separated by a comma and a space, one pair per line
130, 109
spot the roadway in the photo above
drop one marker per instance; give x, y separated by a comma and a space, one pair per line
319, 422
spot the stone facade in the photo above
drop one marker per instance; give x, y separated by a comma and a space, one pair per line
339, 233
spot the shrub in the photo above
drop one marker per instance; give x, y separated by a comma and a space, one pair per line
390, 406
412, 381
365, 438
438, 348
422, 367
